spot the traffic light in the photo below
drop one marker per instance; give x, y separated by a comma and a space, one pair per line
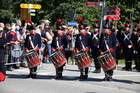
30, 11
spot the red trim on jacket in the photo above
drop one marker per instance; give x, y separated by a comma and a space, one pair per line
61, 48
111, 49
26, 48
37, 48
87, 48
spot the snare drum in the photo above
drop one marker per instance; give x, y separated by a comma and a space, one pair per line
107, 61
32, 59
57, 59
82, 60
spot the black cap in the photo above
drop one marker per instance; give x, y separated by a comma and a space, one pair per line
95, 26
81, 26
30, 27
127, 25
60, 28
106, 26
113, 24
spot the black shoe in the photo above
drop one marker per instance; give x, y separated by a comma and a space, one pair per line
81, 77
16, 67
9, 69
99, 71
34, 76
29, 76
109, 79
85, 77
58, 77
105, 79
135, 67
123, 68
128, 69
95, 71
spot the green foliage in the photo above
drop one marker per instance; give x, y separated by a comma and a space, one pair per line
54, 9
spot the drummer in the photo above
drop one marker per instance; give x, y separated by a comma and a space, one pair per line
108, 44
82, 44
33, 43
59, 43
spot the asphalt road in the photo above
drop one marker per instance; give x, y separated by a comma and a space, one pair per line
123, 81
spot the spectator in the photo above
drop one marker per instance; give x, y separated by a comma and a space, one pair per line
17, 25
49, 37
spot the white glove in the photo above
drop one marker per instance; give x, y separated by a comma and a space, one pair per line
129, 46
135, 52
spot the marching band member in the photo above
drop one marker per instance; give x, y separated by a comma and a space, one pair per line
134, 41
127, 45
82, 44
108, 44
95, 47
3, 41
138, 48
118, 38
59, 43
32, 42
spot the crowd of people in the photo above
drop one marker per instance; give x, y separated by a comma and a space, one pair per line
79, 39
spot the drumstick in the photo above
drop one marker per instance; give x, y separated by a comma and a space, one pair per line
106, 51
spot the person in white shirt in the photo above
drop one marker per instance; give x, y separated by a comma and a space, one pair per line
21, 36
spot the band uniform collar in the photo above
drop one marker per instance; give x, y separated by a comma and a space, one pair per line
60, 34
127, 32
109, 33
84, 33
33, 33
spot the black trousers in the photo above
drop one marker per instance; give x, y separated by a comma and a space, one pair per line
95, 54
109, 73
2, 68
33, 70
59, 71
84, 70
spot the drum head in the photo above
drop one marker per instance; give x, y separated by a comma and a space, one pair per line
16, 50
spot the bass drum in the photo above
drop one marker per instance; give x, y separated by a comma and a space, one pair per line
17, 50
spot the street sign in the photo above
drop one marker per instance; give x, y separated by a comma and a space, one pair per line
31, 10
72, 23
71, 14
24, 14
34, 6
111, 17
94, 4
